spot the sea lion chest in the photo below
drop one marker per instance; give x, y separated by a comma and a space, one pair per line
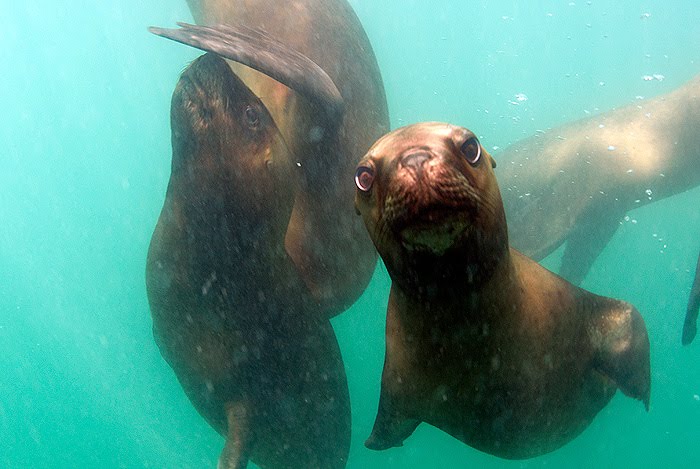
497, 368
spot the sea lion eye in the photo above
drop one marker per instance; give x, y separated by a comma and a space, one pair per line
364, 177
471, 149
252, 117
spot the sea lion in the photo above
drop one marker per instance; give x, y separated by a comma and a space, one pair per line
231, 314
575, 183
690, 327
324, 137
481, 341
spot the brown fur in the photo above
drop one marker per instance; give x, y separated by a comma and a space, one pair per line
482, 342
329, 33
230, 313
575, 183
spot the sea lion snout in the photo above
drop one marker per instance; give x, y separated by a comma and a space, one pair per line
415, 159
430, 188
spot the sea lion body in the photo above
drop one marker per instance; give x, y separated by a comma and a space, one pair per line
325, 148
230, 313
690, 327
482, 342
575, 183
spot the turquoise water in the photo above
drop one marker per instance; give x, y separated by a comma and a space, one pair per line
85, 161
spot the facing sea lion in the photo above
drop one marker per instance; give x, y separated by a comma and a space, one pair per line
325, 136
575, 183
481, 341
230, 313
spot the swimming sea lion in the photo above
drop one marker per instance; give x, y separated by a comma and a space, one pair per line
481, 341
574, 184
690, 327
231, 314
326, 139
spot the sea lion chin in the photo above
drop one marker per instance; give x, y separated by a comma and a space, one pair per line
482, 342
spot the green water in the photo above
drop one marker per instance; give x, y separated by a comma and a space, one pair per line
85, 159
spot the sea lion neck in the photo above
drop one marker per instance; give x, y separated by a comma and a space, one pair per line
442, 285
455, 303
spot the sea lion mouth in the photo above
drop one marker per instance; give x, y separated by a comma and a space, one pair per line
437, 233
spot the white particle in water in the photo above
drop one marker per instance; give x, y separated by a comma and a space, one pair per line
649, 192
696, 397
611, 148
521, 97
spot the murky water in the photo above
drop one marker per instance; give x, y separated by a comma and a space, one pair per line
85, 159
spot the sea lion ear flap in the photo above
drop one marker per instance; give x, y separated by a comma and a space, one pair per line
252, 47
493, 162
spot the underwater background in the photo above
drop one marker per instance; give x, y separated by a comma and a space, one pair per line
85, 159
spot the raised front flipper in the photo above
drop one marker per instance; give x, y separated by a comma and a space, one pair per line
691, 315
620, 339
252, 47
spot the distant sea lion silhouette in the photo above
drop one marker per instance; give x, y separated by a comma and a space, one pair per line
325, 132
231, 314
575, 183
691, 315
481, 341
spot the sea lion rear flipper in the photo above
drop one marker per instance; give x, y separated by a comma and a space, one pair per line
622, 344
239, 438
390, 427
587, 240
691, 315
252, 47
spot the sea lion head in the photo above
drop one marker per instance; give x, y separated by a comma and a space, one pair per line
226, 146
429, 199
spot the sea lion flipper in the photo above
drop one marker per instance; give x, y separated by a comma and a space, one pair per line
691, 315
593, 231
390, 427
622, 344
254, 48
236, 452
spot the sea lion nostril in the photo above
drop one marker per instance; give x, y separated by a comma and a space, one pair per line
415, 159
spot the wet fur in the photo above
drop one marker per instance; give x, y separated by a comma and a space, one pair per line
482, 342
